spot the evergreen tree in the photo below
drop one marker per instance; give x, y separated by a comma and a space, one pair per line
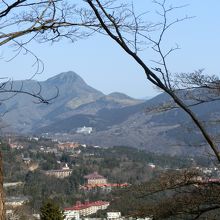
51, 211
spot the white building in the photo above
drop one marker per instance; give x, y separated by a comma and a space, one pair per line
13, 184
71, 214
14, 201
146, 218
84, 130
113, 215
151, 165
84, 209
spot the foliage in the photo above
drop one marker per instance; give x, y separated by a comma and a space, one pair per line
51, 211
13, 167
119, 164
175, 195
49, 161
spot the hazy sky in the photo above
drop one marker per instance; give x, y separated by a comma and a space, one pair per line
103, 65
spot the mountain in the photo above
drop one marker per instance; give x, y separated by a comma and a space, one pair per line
75, 97
116, 119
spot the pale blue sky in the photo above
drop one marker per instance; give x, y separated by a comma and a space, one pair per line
103, 65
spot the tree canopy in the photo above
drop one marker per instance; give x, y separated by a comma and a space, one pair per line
50, 211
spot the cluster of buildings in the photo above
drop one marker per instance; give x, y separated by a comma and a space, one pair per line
93, 181
82, 211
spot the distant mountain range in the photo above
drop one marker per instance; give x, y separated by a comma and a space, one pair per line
75, 100
116, 119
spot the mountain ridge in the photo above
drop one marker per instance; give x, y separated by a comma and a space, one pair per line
74, 95
116, 118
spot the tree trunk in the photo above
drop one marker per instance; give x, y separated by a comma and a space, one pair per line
2, 204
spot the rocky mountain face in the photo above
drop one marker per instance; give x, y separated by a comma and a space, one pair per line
116, 119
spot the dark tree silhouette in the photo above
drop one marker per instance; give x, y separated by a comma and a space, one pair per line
50, 210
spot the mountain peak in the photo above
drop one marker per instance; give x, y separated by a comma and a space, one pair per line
68, 76
119, 95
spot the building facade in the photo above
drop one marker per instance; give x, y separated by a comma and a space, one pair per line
94, 179
84, 209
62, 173
113, 215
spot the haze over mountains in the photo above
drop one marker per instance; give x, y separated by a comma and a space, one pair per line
116, 119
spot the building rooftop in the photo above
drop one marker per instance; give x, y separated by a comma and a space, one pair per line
94, 175
80, 206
